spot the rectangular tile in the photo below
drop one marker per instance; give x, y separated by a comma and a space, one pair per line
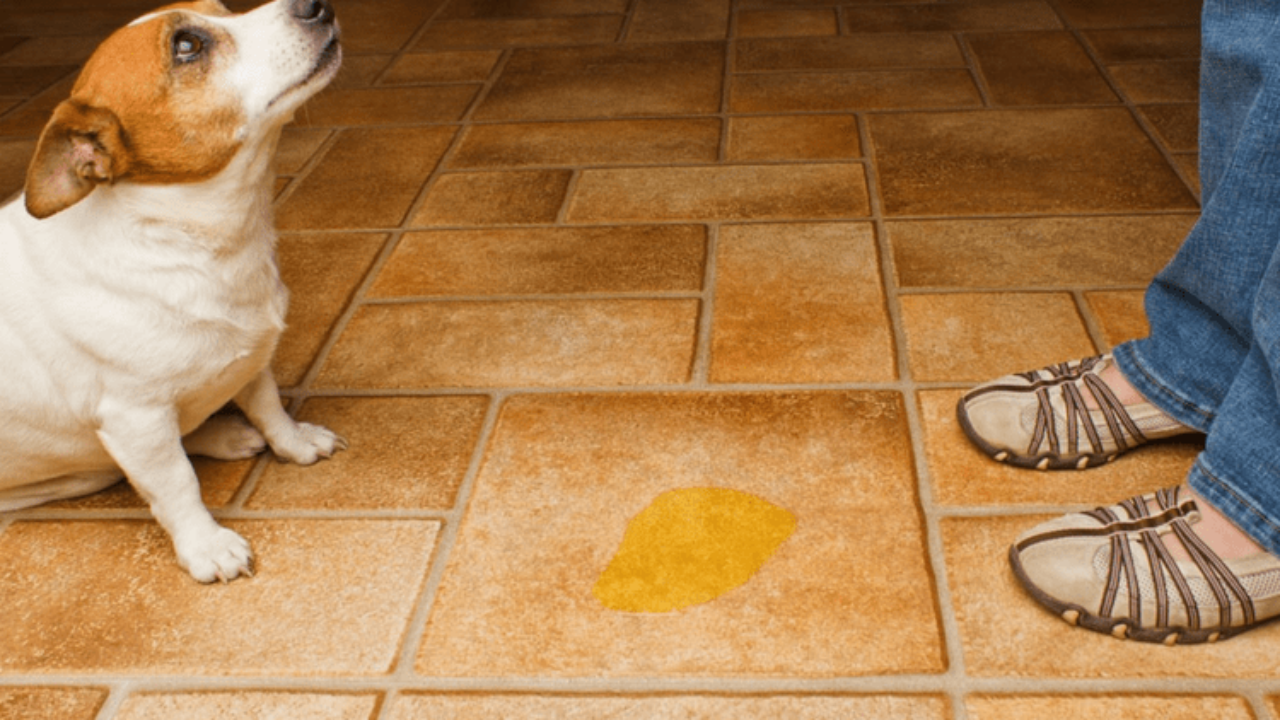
515, 344
516, 32
1039, 68
247, 704
442, 67
531, 8
794, 137
561, 260
24, 81
21, 703
800, 304
849, 52
952, 17
1136, 45
595, 142
787, 23
667, 20
1098, 707
1132, 13
729, 192
1175, 81
494, 198
413, 706
1178, 126
385, 26
1120, 314
377, 106
15, 156
565, 474
881, 90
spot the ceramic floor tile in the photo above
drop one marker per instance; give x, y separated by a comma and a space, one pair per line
1095, 707
1189, 163
735, 192
513, 32
1021, 161
248, 704
405, 453
667, 20
494, 198
607, 82
151, 618
962, 476
1040, 68
599, 142
381, 167
968, 16
47, 51
858, 52
15, 155
31, 703
624, 259
800, 304
787, 23
793, 137
1005, 633
504, 344
297, 147
543, 707
357, 71
1160, 82
371, 26
28, 120
530, 8
1132, 13
437, 104
442, 67
219, 482
1120, 314
24, 81
562, 478
973, 337
1039, 252
1177, 125
881, 90
1136, 45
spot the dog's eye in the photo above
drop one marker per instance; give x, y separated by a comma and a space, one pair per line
187, 46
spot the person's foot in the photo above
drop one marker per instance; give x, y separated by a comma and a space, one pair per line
1069, 416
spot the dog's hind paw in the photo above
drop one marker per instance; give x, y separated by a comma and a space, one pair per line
223, 555
225, 437
307, 443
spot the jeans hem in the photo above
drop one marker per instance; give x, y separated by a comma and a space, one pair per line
1226, 497
1137, 370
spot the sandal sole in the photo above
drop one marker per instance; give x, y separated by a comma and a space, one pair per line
1045, 461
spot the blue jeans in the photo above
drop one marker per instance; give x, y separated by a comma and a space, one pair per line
1212, 359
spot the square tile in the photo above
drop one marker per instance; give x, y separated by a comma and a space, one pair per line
794, 137
787, 23
411, 706
729, 192
152, 619
442, 67
667, 20
849, 52
1100, 707
880, 90
1039, 68
593, 142
1021, 161
515, 32
1120, 314
565, 473
515, 344
556, 261
494, 198
974, 337
800, 304
405, 453
28, 703
247, 704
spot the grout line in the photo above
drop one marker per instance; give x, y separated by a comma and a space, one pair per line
700, 373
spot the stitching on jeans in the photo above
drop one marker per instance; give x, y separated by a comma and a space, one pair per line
1241, 501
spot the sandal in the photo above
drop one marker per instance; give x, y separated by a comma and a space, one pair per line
1108, 570
1039, 419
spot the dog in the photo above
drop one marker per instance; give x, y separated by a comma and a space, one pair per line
139, 292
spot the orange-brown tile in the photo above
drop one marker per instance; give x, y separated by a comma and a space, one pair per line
150, 618
1132, 13
548, 707
321, 272
787, 23
1035, 252
969, 16
442, 67
1039, 68
608, 81
858, 52
368, 178
48, 51
667, 20
800, 304
1134, 45
494, 198
1005, 633
1159, 82
297, 147
531, 8
41, 21
373, 106
506, 344
372, 26
599, 142
622, 259
31, 703
565, 473
29, 119
1177, 125
405, 453
732, 192
962, 476
881, 90
1099, 707
970, 337
515, 32
24, 81
247, 704
1120, 314
358, 71
219, 482
1021, 161
15, 155
794, 137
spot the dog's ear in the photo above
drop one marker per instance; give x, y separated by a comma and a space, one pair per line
81, 147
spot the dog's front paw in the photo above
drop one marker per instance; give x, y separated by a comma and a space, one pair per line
222, 555
305, 443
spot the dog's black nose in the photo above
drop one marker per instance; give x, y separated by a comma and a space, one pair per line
312, 11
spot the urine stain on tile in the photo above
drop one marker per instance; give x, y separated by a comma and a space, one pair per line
691, 546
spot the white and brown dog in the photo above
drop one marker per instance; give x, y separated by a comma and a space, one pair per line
138, 286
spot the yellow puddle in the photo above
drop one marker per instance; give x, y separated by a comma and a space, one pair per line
691, 546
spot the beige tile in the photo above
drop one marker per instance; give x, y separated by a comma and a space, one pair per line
376, 106
515, 344
1039, 68
317, 604
565, 473
1021, 161
247, 704
850, 52
621, 259
1120, 314
1159, 82
667, 20
972, 337
599, 142
547, 707
442, 67
963, 476
32, 703
800, 304
1132, 13
731, 192
494, 198
1097, 707
794, 137
1005, 633
957, 17
880, 90
608, 81
405, 453
514, 32
368, 178
1035, 252
787, 23
1177, 125
322, 272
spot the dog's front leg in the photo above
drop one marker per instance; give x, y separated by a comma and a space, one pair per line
301, 443
146, 444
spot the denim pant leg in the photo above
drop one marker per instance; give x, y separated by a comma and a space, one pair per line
1213, 354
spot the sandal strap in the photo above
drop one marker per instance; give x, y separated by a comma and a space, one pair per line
1124, 431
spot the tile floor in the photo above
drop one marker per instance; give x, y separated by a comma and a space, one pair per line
551, 259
